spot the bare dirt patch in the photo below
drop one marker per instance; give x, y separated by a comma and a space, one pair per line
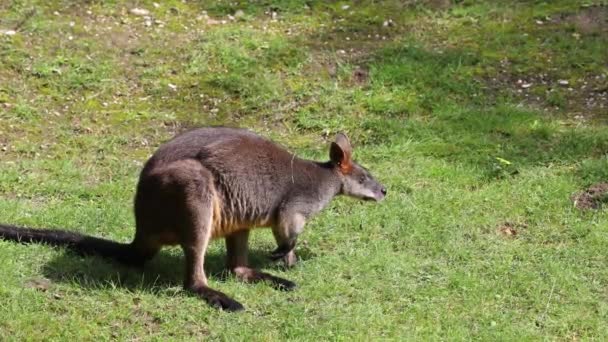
510, 229
590, 20
579, 96
40, 284
360, 76
438, 4
585, 97
591, 198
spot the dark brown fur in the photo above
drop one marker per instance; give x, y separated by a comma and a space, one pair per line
222, 182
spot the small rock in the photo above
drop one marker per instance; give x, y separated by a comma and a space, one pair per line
342, 52
388, 23
239, 14
155, 4
172, 86
526, 85
539, 22
139, 11
345, 7
563, 82
8, 32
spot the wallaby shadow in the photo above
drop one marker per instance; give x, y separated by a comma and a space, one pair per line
163, 273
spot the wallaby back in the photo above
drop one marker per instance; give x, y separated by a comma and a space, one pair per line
252, 176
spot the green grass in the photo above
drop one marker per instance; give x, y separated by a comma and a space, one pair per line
434, 106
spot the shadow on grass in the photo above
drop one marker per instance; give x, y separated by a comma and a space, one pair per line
164, 272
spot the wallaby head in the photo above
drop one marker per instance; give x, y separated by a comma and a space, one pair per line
357, 182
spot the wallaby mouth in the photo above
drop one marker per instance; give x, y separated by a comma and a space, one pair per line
378, 195
377, 198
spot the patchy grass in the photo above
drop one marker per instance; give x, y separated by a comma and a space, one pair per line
483, 118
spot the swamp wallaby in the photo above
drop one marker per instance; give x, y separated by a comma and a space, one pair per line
221, 182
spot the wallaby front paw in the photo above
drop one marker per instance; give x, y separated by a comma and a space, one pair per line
290, 259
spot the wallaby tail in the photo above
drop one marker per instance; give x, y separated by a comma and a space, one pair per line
79, 243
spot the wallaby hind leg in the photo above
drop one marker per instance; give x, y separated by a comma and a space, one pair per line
237, 260
194, 219
188, 191
196, 281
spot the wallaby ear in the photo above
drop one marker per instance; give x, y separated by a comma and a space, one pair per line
340, 153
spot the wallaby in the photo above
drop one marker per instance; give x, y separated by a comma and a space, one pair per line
221, 182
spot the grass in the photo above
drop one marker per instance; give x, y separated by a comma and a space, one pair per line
435, 104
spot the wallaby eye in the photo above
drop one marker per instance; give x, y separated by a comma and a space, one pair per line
361, 179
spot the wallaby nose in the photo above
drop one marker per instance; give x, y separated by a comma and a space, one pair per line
383, 191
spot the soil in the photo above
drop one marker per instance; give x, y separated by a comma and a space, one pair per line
585, 97
360, 76
508, 229
590, 20
591, 198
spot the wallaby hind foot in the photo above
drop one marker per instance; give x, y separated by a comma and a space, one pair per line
216, 299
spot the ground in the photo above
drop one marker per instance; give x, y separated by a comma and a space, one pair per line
486, 120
